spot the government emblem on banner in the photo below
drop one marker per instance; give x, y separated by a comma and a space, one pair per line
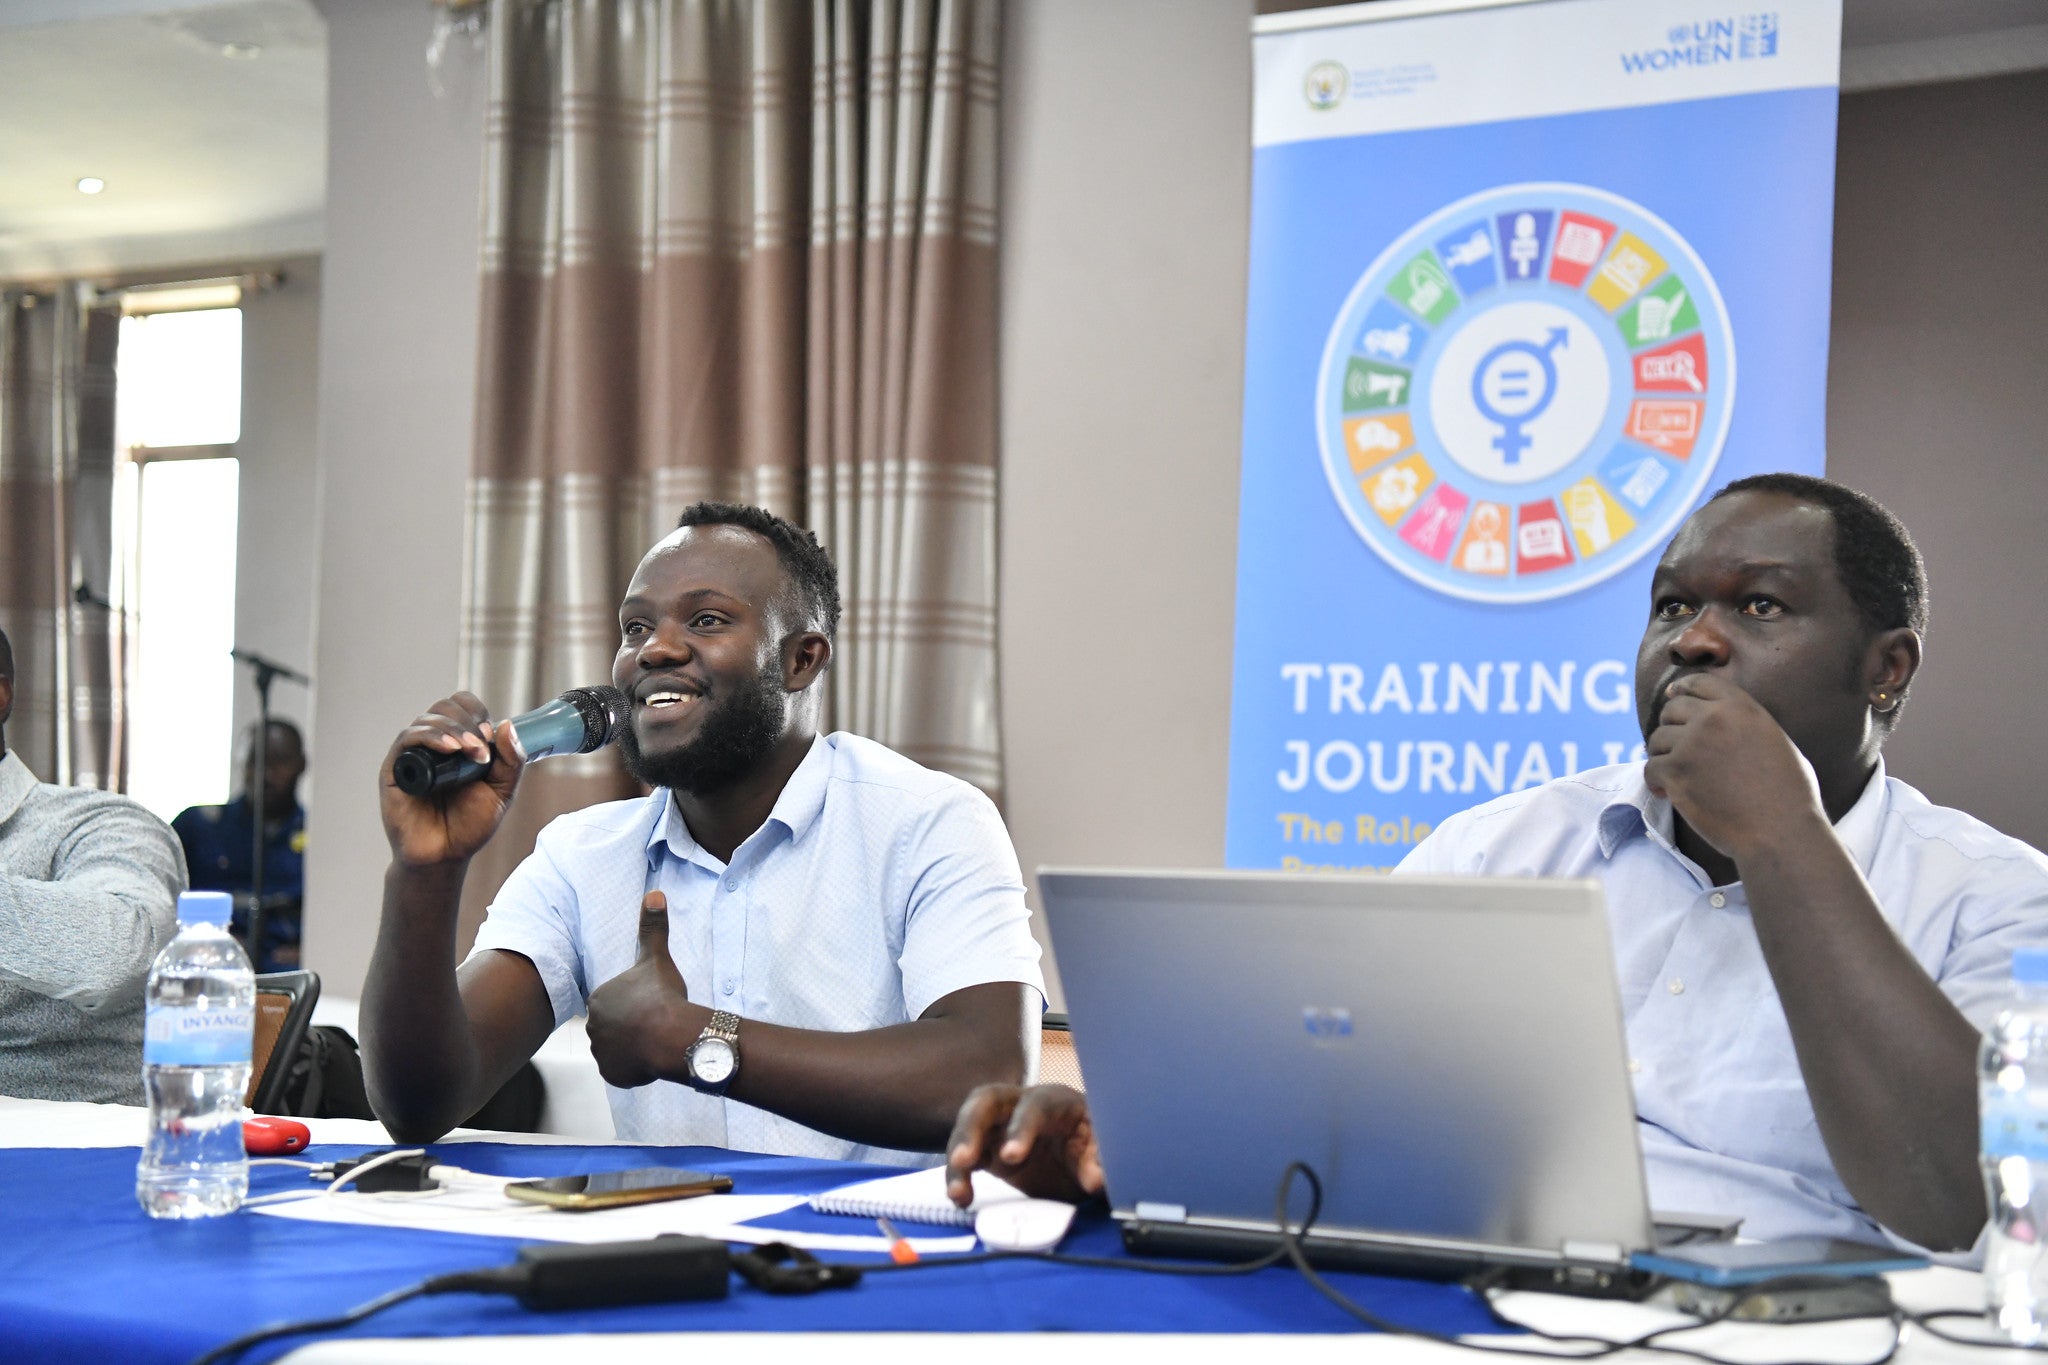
1526, 392
1324, 85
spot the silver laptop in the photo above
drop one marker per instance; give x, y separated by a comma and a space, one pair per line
1447, 1054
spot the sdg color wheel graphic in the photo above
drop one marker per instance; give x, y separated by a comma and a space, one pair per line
1526, 392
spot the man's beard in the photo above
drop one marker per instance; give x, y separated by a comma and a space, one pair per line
732, 741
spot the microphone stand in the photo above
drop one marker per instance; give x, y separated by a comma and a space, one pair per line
267, 671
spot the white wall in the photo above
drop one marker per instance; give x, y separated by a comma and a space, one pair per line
1937, 408
278, 452
1126, 181
397, 370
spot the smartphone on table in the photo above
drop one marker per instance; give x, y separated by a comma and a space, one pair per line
1801, 1279
1727, 1265
610, 1189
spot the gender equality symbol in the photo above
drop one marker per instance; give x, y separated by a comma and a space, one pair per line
1503, 391
1500, 414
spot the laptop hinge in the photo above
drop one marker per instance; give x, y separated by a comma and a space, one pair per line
1592, 1253
1149, 1212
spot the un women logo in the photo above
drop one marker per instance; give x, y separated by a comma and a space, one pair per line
1525, 392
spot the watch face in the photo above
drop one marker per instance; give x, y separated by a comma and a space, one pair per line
712, 1061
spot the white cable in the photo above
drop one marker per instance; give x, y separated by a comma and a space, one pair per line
286, 1197
446, 1178
451, 1177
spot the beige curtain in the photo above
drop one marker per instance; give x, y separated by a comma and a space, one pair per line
739, 249
56, 535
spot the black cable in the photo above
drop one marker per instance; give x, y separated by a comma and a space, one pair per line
1291, 1243
1139, 1264
502, 1280
1925, 1322
1290, 1248
1149, 1267
1649, 1340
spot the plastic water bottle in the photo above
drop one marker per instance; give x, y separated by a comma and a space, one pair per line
200, 1010
2012, 1091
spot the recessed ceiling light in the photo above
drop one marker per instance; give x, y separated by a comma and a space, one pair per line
91, 184
241, 52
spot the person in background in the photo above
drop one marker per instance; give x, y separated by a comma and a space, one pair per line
1806, 947
89, 885
218, 846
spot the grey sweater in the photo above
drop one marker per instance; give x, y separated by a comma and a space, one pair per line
89, 885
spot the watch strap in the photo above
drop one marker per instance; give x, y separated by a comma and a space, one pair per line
725, 1027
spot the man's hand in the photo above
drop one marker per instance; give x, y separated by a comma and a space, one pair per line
1728, 769
641, 1020
435, 1048
1040, 1140
449, 826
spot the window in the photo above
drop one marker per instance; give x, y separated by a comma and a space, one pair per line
178, 405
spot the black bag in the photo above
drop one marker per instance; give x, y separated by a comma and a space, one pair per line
327, 1078
517, 1105
327, 1083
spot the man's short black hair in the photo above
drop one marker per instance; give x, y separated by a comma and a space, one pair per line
6, 656
804, 560
1874, 552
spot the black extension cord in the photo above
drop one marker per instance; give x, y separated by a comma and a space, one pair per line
404, 1175
549, 1277
552, 1276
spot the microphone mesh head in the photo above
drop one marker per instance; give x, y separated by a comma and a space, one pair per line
602, 709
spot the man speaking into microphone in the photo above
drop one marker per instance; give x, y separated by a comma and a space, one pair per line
798, 943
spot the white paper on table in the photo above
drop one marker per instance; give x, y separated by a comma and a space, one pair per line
487, 1213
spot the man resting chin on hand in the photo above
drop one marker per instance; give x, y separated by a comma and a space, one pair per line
1807, 948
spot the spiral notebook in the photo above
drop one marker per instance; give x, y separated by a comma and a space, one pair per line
915, 1197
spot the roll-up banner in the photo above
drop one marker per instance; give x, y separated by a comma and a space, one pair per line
1529, 281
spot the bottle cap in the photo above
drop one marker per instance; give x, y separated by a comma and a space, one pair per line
2030, 966
218, 907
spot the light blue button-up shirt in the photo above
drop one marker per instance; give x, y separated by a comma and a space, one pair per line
875, 888
1721, 1105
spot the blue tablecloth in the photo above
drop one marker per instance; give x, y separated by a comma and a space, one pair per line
85, 1275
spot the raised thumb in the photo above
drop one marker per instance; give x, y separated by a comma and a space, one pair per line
654, 927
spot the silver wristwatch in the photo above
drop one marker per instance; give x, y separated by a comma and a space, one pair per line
715, 1057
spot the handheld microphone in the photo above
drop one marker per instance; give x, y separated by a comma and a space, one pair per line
580, 721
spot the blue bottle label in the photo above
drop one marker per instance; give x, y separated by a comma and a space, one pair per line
175, 1036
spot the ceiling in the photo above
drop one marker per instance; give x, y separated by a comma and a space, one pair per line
1888, 43
208, 122
1868, 23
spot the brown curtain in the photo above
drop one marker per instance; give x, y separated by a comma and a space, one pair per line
56, 535
739, 249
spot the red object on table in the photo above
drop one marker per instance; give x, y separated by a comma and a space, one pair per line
267, 1136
